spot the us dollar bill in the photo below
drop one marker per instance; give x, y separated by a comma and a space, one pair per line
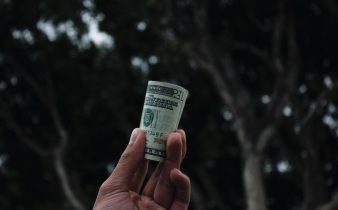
162, 111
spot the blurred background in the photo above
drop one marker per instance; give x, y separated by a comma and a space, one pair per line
261, 119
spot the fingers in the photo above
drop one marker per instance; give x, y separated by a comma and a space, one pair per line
152, 182
174, 150
122, 177
164, 190
139, 176
149, 189
182, 190
184, 142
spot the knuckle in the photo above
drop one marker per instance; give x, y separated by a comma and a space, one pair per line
126, 156
107, 187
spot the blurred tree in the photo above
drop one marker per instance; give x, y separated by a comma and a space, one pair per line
261, 119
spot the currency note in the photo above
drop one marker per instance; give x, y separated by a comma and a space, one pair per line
162, 111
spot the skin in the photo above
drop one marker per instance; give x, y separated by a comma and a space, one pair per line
167, 188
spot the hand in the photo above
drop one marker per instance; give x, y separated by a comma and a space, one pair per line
167, 188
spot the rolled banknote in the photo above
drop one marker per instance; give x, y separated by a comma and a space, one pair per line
162, 110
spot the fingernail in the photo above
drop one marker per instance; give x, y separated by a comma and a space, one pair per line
133, 136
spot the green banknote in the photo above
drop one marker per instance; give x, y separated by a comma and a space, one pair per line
162, 110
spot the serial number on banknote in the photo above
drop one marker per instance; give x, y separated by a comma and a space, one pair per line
154, 133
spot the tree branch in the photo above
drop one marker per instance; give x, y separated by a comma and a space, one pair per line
48, 99
264, 137
314, 107
221, 87
287, 72
332, 205
64, 180
13, 125
60, 149
277, 67
259, 53
227, 97
277, 38
239, 92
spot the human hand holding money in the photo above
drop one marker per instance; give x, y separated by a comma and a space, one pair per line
168, 187
127, 188
162, 111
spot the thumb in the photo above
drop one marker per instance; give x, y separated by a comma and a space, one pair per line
129, 162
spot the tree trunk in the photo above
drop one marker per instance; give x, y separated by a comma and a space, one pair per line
314, 185
253, 181
69, 193
332, 205
315, 192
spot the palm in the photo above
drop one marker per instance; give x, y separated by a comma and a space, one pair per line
167, 188
129, 200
